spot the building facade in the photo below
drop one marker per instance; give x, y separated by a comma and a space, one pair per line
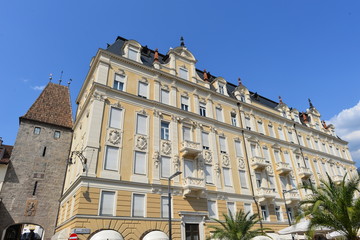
5, 153
142, 116
34, 179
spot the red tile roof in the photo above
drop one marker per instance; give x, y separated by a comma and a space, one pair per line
52, 106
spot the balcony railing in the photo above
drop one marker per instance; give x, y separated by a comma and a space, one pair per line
265, 194
292, 197
304, 172
190, 149
194, 185
259, 163
283, 167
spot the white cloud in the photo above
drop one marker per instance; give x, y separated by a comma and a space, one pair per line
347, 127
38, 88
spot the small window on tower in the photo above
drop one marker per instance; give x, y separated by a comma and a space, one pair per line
57, 134
37, 130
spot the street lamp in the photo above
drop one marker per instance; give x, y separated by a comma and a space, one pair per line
286, 208
169, 200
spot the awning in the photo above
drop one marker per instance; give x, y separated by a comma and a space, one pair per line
107, 234
301, 228
156, 235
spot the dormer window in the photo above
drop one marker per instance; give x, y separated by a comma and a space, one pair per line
242, 98
183, 73
133, 54
221, 88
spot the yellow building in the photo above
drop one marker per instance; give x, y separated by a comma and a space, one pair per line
142, 116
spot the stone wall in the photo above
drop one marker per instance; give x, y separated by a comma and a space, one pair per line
35, 176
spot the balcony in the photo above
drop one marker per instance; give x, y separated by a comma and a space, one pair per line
337, 179
265, 194
193, 185
259, 163
283, 168
292, 197
190, 149
304, 172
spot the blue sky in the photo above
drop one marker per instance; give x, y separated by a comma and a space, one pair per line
295, 49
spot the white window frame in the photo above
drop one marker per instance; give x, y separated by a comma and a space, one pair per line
227, 177
116, 161
164, 131
163, 92
146, 124
209, 177
238, 148
231, 211
135, 51
260, 127
266, 212
118, 80
202, 109
146, 87
132, 204
278, 213
183, 135
162, 207
203, 140
223, 145
233, 119
114, 202
219, 114
183, 73
163, 173
243, 180
145, 164
184, 105
111, 114
209, 205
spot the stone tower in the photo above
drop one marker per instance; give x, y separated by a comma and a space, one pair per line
33, 182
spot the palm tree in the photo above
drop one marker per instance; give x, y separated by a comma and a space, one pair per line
238, 227
334, 206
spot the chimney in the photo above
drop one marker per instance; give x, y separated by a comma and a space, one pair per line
206, 77
156, 55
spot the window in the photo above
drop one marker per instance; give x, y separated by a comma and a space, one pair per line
205, 140
107, 203
141, 124
115, 117
202, 109
253, 150
258, 179
301, 142
323, 147
184, 103
221, 88
140, 163
287, 158
317, 126
186, 134
143, 90
278, 213
264, 213
247, 123
271, 130
316, 167
242, 98
222, 142
164, 207
183, 73
132, 54
283, 113
233, 119
296, 118
219, 116
227, 177
290, 213
260, 127
238, 149
212, 209
164, 130
316, 144
266, 154
292, 182
290, 136
208, 174
188, 168
231, 208
283, 182
37, 130
138, 206
247, 208
165, 96
165, 167
119, 82
277, 156
309, 142
298, 160
243, 179
281, 133
271, 182
57, 134
111, 158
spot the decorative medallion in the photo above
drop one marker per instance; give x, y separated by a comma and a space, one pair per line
269, 169
166, 148
208, 157
114, 137
241, 163
141, 142
225, 160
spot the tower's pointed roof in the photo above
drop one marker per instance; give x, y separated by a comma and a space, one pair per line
52, 106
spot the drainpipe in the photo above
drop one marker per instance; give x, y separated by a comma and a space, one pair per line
248, 168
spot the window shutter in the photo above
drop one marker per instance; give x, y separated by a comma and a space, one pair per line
222, 144
115, 117
227, 176
107, 203
186, 133
185, 100
287, 158
138, 205
132, 54
212, 209
238, 149
253, 150
231, 208
183, 73
243, 179
165, 96
189, 168
111, 160
205, 139
165, 167
266, 154
208, 172
140, 162
143, 89
277, 156
141, 124
164, 207
219, 114
247, 207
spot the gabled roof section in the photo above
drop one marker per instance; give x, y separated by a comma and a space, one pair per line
52, 106
5, 153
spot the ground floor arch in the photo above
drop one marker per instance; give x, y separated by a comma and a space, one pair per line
23, 231
155, 235
106, 234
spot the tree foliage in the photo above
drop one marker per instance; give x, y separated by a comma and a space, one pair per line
332, 205
238, 227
